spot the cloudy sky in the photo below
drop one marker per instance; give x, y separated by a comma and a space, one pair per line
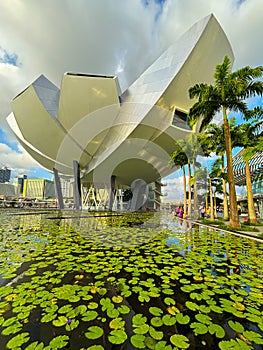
120, 37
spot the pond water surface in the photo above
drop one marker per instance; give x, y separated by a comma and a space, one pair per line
80, 280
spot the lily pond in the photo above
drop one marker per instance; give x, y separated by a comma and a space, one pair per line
81, 280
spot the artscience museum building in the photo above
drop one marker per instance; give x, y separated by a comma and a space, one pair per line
107, 140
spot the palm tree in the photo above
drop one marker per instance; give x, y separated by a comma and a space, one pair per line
192, 149
229, 93
179, 158
212, 140
249, 135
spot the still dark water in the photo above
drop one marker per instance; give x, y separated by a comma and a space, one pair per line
80, 280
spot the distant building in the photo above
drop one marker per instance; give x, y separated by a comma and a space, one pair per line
39, 188
5, 174
7, 190
19, 182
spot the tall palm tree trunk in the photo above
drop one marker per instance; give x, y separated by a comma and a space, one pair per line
225, 204
250, 202
189, 213
212, 213
196, 212
184, 182
234, 217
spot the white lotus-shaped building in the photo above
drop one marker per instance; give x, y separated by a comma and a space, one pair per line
117, 137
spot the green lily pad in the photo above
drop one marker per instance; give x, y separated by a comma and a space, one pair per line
138, 320
254, 337
169, 320
203, 318
72, 325
233, 345
112, 313
156, 311
199, 328
18, 340
35, 346
123, 309
162, 345
117, 323
59, 342
192, 306
182, 319
150, 343
157, 335
61, 321
12, 329
117, 336
217, 330
236, 326
94, 332
180, 341
143, 329
156, 322
137, 341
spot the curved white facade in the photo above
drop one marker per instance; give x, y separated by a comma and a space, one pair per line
128, 134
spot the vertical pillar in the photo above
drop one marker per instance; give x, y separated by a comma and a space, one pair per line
111, 194
157, 193
58, 189
77, 188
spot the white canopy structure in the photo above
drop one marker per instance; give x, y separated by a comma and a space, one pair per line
113, 134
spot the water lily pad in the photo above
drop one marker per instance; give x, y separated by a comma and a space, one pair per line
182, 319
137, 341
254, 337
143, 329
117, 323
233, 345
169, 320
169, 301
156, 321
59, 342
192, 306
203, 318
123, 309
199, 328
117, 299
94, 332
71, 324
60, 321
180, 341
150, 343
138, 320
157, 335
18, 340
156, 311
117, 336
236, 326
162, 345
35, 346
217, 330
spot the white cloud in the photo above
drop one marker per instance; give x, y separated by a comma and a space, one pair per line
20, 162
174, 187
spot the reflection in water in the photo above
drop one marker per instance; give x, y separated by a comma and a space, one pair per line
106, 267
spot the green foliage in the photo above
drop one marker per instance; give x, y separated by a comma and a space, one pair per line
187, 288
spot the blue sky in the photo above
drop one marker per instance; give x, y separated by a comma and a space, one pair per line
103, 37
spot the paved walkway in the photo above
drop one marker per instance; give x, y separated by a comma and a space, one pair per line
250, 234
